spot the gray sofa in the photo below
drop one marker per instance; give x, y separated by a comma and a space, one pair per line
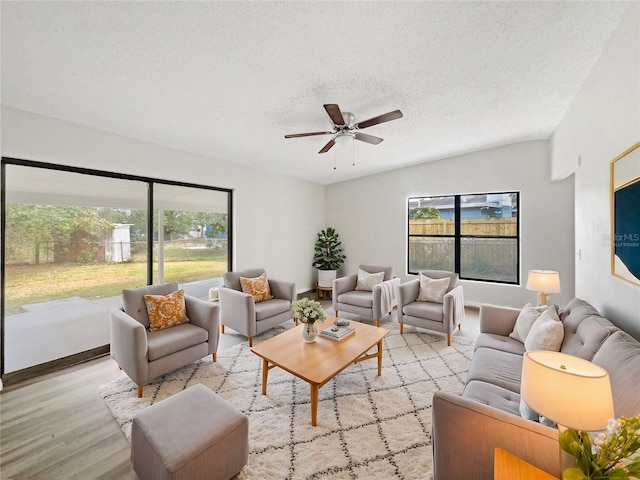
467, 428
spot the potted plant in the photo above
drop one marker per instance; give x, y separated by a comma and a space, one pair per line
308, 312
327, 257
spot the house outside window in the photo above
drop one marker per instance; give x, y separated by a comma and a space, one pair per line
475, 235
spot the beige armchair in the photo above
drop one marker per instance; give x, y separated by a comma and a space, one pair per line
352, 295
145, 355
241, 312
441, 317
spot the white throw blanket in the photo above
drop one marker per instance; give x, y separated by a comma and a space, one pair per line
388, 297
458, 306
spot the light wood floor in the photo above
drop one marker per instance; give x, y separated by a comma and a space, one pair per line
57, 426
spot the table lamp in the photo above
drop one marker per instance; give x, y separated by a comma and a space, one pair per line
543, 282
568, 390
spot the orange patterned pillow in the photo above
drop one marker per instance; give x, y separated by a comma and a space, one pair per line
166, 310
257, 287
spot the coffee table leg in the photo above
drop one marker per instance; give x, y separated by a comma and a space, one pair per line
265, 374
314, 404
380, 358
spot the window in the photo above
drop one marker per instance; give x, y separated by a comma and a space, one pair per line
72, 239
474, 235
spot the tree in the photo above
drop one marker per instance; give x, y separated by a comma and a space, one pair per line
418, 213
51, 224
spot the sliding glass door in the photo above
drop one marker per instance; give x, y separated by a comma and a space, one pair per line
190, 237
73, 239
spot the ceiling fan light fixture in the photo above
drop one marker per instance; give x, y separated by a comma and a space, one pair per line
345, 128
344, 138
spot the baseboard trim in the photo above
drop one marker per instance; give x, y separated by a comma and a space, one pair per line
29, 373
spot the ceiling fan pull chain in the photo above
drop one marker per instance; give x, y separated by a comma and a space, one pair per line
334, 159
353, 152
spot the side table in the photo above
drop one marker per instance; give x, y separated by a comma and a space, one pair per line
509, 467
324, 291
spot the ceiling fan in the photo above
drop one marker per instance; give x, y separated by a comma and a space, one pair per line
344, 126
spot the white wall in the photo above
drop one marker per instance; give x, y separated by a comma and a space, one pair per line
276, 217
602, 122
370, 214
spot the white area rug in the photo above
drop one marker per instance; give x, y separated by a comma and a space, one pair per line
368, 426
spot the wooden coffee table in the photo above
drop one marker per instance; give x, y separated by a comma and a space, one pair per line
318, 362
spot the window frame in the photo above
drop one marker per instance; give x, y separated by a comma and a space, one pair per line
458, 237
60, 363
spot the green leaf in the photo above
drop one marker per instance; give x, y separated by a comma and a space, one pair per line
573, 474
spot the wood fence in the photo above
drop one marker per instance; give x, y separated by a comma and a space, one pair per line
469, 226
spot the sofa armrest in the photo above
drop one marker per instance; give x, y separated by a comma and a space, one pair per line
237, 311
466, 433
129, 345
498, 320
342, 285
205, 315
282, 289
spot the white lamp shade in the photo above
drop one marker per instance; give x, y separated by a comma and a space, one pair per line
571, 391
547, 281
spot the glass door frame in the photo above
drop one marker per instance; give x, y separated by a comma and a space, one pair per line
100, 173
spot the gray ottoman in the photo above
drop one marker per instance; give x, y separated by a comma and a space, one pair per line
192, 435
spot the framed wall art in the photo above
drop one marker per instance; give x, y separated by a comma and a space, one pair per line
625, 215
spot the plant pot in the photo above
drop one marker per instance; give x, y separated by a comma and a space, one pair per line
326, 278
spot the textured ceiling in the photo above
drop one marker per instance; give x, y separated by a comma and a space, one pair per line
229, 79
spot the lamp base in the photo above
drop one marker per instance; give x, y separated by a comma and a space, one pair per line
542, 298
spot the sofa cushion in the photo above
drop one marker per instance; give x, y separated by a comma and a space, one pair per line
232, 279
433, 289
133, 300
527, 316
430, 311
619, 355
366, 281
546, 332
499, 368
581, 324
499, 342
170, 340
493, 395
357, 298
257, 287
270, 308
166, 310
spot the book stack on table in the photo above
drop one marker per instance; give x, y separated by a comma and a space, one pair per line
338, 334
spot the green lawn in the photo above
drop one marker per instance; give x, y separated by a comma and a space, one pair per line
26, 284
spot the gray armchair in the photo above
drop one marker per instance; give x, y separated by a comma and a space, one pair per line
441, 317
145, 355
374, 304
240, 312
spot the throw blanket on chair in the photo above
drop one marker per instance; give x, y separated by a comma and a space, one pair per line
458, 306
388, 296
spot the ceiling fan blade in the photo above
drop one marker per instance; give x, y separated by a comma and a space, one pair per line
368, 138
310, 134
334, 113
386, 117
328, 146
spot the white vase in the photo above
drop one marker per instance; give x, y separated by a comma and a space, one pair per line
309, 332
326, 278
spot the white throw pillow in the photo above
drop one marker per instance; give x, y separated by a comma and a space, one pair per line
432, 289
366, 281
546, 333
524, 322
